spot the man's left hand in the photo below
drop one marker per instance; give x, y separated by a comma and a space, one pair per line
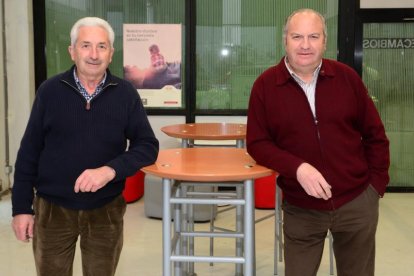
92, 180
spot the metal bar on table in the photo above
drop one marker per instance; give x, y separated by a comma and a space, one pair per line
222, 194
249, 243
215, 234
239, 228
240, 143
206, 259
182, 200
183, 221
166, 226
177, 229
191, 238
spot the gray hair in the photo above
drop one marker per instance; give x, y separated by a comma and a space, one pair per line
285, 27
92, 22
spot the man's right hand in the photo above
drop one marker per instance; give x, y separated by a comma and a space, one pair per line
313, 182
23, 227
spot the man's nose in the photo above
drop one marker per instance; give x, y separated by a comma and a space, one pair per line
93, 53
305, 43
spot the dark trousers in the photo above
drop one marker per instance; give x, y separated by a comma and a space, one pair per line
353, 228
57, 230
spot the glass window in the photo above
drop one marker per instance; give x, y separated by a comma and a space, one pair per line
236, 40
388, 52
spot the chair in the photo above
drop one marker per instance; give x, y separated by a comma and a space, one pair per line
134, 187
264, 192
278, 246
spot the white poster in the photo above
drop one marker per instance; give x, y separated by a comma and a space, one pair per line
152, 62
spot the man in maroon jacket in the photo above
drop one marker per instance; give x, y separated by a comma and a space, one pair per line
311, 120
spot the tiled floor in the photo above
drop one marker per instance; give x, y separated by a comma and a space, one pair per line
142, 253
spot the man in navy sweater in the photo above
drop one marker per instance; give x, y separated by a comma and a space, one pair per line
87, 132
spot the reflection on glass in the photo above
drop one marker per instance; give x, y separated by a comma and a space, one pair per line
388, 52
237, 40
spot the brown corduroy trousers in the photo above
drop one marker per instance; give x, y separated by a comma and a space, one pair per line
353, 227
56, 232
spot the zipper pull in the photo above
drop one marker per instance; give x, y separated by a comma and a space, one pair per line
88, 105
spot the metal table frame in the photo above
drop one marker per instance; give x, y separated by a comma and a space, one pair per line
175, 233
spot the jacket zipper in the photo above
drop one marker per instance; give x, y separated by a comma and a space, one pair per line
88, 103
316, 122
322, 155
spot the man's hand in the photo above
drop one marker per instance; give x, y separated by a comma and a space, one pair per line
92, 180
313, 182
23, 227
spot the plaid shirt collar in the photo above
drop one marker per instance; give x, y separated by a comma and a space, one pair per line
82, 89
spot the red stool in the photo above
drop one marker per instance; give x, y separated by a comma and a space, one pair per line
134, 187
264, 192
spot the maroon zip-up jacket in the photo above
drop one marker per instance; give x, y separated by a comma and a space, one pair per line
345, 141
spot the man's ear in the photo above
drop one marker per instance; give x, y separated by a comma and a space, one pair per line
112, 53
70, 50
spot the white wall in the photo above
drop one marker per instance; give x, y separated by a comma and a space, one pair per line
372, 4
20, 67
2, 110
19, 64
221, 119
157, 122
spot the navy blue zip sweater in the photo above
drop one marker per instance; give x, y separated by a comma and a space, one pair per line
65, 136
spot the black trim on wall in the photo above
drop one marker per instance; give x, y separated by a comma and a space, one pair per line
400, 190
190, 59
346, 36
39, 32
386, 15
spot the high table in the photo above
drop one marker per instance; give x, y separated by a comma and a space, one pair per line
207, 131
219, 131
205, 166
188, 133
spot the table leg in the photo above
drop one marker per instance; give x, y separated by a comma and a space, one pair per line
212, 218
187, 226
180, 215
249, 235
240, 143
239, 229
166, 227
185, 143
191, 239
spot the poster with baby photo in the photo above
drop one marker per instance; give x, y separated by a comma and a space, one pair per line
152, 62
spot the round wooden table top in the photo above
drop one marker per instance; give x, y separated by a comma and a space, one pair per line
207, 131
206, 164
